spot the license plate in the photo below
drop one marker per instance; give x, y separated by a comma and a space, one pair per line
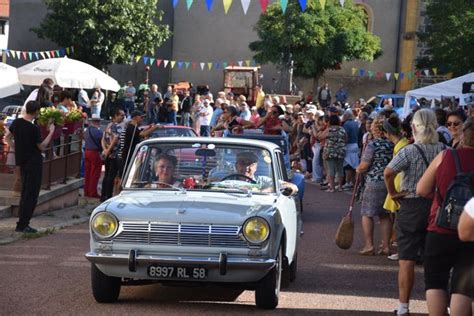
172, 272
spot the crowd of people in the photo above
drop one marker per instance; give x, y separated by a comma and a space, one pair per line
400, 168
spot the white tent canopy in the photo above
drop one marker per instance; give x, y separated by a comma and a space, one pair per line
9, 83
449, 88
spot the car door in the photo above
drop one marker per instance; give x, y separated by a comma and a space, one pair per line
289, 212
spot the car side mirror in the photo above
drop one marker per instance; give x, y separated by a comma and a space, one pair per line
286, 191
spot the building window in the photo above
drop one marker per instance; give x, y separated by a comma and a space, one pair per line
369, 16
3, 26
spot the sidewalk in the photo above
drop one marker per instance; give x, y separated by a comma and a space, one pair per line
49, 222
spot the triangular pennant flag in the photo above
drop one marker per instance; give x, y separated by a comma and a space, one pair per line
180, 64
387, 75
418, 74
158, 62
145, 60
227, 4
24, 55
152, 60
72, 49
172, 64
247, 62
354, 70
202, 65
52, 53
8, 53
284, 5
67, 50
137, 58
361, 72
427, 72
62, 51
37, 55
224, 65
189, 3
435, 71
175, 3
194, 65
240, 63
410, 75
13, 53
209, 6
48, 54
263, 5
341, 2
378, 75
57, 53
322, 3
186, 64
395, 75
370, 73
217, 66
402, 75
302, 4
209, 65
42, 55
245, 5
165, 63
254, 63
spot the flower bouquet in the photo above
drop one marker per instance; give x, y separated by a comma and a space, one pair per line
73, 121
49, 116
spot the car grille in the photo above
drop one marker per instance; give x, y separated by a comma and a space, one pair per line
180, 234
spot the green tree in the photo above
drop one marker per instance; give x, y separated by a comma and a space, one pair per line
104, 32
317, 39
449, 35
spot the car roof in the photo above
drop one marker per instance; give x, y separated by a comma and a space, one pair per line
213, 140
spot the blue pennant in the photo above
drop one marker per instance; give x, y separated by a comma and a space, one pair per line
302, 4
209, 5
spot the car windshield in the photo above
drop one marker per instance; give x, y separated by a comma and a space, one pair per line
173, 132
202, 166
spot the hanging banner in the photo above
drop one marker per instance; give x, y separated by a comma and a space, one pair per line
209, 65
145, 60
175, 3
435, 71
387, 75
341, 2
209, 5
224, 65
202, 65
42, 55
189, 3
172, 64
165, 63
247, 62
354, 70
240, 63
187, 64
322, 3
284, 5
227, 4
245, 5
263, 5
152, 61
427, 72
36, 55
158, 62
395, 75
361, 72
302, 4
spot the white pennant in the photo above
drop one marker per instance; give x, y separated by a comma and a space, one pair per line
165, 63
387, 75
245, 5
240, 63
427, 72
202, 65
342, 2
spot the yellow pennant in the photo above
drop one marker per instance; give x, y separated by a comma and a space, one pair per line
172, 63
247, 62
209, 65
354, 70
435, 71
323, 4
137, 58
227, 4
396, 74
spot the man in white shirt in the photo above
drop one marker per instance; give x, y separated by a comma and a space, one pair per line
466, 222
205, 115
84, 102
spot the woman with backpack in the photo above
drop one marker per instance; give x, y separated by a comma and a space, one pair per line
444, 251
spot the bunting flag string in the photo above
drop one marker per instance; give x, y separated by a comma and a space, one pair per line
302, 5
245, 5
284, 5
396, 75
209, 5
264, 5
227, 4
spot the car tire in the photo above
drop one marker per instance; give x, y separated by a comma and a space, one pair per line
268, 289
293, 268
105, 289
285, 274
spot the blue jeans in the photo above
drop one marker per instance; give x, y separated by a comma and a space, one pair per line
129, 107
205, 130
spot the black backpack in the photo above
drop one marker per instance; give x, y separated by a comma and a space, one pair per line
459, 192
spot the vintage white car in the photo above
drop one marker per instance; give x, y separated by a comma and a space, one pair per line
199, 211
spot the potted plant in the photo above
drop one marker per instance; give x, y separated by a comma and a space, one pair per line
73, 121
49, 116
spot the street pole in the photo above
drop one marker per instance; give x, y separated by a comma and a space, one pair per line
291, 75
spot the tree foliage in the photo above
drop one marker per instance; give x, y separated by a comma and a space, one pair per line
449, 36
318, 39
104, 32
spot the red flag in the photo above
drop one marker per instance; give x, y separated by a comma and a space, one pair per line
264, 4
52, 53
24, 55
158, 62
418, 73
194, 65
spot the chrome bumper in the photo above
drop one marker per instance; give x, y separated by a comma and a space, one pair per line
222, 262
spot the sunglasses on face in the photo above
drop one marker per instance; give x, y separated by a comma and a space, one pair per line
454, 124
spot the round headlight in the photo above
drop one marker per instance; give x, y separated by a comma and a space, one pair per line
104, 225
256, 230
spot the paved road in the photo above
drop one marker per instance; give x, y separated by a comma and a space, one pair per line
49, 275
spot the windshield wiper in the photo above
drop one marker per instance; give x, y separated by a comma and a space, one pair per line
181, 190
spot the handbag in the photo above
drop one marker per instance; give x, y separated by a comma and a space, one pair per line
345, 230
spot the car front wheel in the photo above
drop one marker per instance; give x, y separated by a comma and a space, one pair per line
268, 289
106, 289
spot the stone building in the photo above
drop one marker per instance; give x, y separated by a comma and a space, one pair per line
203, 36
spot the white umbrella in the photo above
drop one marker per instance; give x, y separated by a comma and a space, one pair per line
9, 83
67, 73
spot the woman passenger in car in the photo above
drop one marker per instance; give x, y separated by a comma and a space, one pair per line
165, 166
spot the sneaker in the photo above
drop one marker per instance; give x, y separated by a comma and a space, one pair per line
347, 186
26, 230
393, 257
395, 312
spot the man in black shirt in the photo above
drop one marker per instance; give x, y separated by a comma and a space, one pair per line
28, 147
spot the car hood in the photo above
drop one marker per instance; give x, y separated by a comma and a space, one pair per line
192, 207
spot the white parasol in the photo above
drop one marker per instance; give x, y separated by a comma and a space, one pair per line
9, 83
67, 73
